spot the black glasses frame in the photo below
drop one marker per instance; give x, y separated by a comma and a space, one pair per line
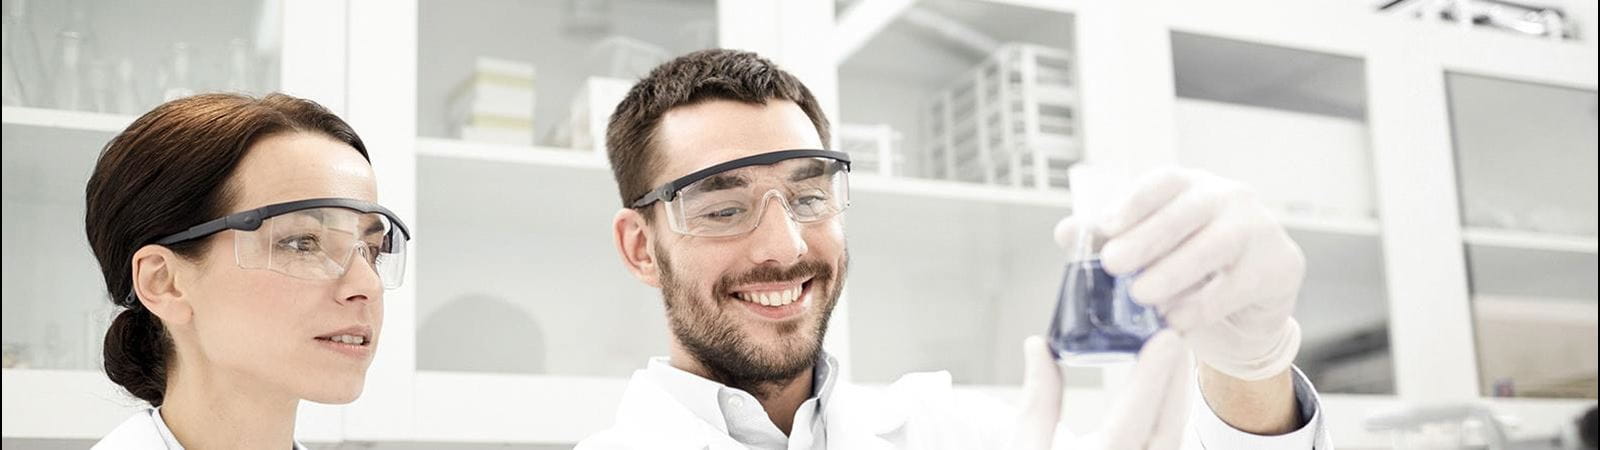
669, 191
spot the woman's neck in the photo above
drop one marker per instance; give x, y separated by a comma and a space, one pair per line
208, 409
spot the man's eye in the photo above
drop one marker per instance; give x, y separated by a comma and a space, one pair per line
300, 243
725, 213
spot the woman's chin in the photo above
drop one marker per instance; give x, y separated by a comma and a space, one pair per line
335, 393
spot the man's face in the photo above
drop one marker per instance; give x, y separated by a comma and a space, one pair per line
714, 287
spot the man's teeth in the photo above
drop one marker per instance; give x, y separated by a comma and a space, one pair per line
771, 298
349, 339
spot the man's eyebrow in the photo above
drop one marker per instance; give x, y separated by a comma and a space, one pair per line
809, 169
722, 181
374, 228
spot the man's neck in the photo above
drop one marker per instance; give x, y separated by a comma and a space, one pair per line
780, 399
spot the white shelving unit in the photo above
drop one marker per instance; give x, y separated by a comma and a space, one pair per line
1489, 237
513, 246
55, 307
65, 120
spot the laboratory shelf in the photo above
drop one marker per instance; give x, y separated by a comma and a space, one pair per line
1490, 237
551, 157
1345, 226
1060, 200
511, 154
69, 120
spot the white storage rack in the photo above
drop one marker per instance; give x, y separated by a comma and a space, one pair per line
1011, 121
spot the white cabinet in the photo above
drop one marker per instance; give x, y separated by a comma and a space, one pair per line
1525, 162
78, 73
952, 263
519, 326
1291, 123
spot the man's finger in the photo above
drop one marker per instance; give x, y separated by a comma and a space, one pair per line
1136, 247
1149, 195
1141, 404
1041, 397
1174, 415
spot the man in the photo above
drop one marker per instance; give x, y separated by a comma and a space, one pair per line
734, 210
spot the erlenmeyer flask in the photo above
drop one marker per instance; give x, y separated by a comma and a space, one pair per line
1096, 320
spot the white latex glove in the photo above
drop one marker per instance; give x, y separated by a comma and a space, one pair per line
1214, 262
1150, 413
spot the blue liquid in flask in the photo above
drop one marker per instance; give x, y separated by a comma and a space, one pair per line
1096, 321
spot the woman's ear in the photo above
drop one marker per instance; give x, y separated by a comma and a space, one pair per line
157, 273
632, 236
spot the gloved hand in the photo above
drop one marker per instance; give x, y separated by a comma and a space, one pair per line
1214, 262
1150, 413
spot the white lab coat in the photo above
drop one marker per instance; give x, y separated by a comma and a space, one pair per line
144, 431
139, 432
919, 411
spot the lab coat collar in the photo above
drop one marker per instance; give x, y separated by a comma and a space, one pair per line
139, 431
146, 430
854, 417
649, 409
702, 396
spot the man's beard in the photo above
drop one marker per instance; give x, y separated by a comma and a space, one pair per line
712, 336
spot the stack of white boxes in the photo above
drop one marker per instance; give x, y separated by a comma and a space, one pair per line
495, 104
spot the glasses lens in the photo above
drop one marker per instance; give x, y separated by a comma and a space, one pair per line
324, 244
731, 203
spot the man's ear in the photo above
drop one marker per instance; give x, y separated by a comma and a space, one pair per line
157, 279
632, 236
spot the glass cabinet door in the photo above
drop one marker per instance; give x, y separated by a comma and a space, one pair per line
1525, 165
513, 188
76, 73
1292, 124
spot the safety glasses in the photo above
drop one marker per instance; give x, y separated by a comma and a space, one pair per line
316, 239
729, 199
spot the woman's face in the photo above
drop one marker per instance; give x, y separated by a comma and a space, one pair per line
270, 329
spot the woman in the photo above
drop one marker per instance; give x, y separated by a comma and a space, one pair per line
242, 236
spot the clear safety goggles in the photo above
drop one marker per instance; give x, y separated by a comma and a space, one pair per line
730, 198
316, 239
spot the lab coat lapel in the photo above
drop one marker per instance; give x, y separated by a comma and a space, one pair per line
861, 418
649, 412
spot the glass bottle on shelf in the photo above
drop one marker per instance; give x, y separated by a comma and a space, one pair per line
100, 98
68, 78
12, 92
23, 77
176, 82
239, 67
55, 348
127, 92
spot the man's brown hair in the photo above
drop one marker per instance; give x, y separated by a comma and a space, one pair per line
716, 74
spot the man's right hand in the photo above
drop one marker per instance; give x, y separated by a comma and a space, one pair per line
1149, 413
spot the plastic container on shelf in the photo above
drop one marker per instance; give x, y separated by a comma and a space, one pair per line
591, 112
624, 57
873, 149
1011, 121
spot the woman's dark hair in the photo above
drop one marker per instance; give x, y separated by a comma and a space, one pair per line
167, 171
